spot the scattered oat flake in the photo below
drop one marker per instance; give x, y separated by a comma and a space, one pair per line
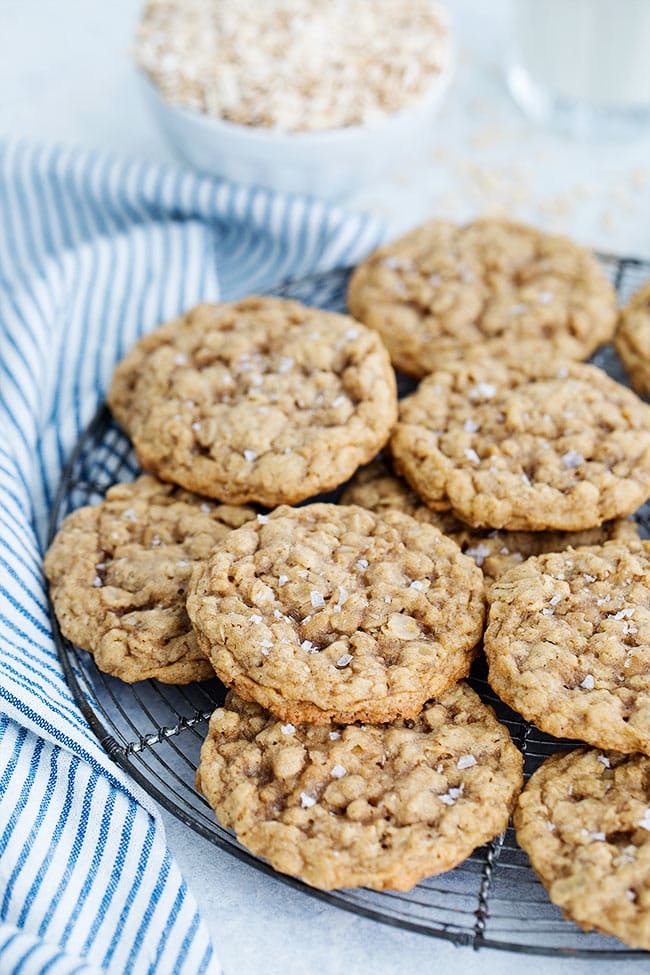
344, 660
588, 682
466, 761
250, 456
338, 771
317, 600
306, 801
287, 729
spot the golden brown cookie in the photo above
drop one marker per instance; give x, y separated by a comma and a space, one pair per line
632, 339
264, 400
118, 572
491, 283
378, 806
584, 820
566, 450
375, 487
568, 643
329, 612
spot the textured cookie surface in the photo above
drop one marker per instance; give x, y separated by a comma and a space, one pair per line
584, 820
265, 400
568, 644
375, 487
329, 612
490, 283
380, 806
566, 450
118, 572
633, 339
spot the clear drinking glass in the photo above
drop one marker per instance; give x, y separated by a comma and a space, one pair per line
583, 66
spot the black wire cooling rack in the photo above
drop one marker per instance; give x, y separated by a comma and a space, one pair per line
155, 731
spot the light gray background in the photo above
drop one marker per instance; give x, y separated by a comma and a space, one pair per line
65, 75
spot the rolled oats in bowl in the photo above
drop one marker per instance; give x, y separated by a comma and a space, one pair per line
294, 65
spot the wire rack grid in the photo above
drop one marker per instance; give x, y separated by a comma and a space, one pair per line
155, 731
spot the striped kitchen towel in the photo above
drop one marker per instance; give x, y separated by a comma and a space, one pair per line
95, 251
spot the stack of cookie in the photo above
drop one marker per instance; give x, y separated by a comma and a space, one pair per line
525, 456
349, 751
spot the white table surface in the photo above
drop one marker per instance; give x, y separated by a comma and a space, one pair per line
65, 75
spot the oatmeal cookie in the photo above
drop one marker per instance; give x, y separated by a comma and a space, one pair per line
492, 283
329, 612
565, 450
584, 820
264, 400
632, 339
378, 806
568, 644
375, 487
118, 572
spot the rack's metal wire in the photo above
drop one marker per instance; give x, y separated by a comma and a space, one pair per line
154, 731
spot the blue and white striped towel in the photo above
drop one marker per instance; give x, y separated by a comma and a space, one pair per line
94, 251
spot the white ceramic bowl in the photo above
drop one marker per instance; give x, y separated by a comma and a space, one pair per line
328, 164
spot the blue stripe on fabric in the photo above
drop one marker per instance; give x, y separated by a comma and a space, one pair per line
119, 860
104, 831
29, 841
12, 763
53, 845
82, 826
128, 904
19, 807
155, 896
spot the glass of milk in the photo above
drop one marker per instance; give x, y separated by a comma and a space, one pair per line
583, 66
